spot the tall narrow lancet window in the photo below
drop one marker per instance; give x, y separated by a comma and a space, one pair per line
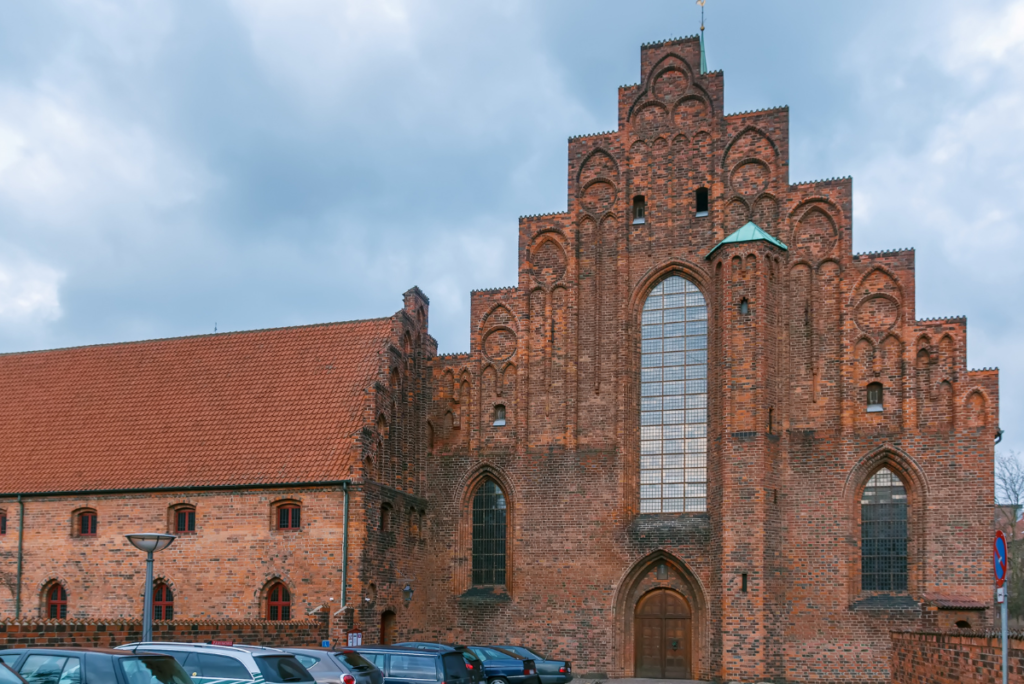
674, 399
883, 533
490, 516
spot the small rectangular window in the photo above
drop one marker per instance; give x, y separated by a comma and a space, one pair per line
874, 397
639, 209
3, 523
87, 524
289, 517
702, 202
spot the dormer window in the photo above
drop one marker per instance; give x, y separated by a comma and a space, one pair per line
702, 202
875, 397
639, 209
499, 415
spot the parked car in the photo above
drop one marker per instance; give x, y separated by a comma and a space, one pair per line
228, 664
343, 665
408, 665
9, 676
550, 671
473, 664
505, 667
93, 666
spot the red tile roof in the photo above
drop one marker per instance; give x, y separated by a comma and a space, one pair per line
259, 407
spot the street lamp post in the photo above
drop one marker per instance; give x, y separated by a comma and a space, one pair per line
150, 543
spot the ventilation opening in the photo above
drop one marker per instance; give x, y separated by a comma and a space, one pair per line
499, 415
875, 397
702, 201
963, 624
743, 583
744, 307
771, 421
639, 209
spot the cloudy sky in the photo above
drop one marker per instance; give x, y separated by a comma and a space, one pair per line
168, 166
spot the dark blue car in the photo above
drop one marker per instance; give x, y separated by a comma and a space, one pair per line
505, 667
550, 671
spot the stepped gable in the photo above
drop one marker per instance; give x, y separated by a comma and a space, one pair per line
247, 408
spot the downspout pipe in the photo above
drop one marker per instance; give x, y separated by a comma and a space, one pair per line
344, 549
21, 536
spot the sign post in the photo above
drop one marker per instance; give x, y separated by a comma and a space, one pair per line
999, 561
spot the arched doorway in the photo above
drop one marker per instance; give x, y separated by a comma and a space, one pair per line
387, 628
662, 630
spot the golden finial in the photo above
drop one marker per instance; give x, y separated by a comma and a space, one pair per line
701, 3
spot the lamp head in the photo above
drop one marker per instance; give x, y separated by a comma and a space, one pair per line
150, 542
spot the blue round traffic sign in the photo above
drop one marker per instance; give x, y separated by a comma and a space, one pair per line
999, 557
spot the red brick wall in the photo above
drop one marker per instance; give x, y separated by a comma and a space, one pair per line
783, 507
954, 658
219, 572
111, 633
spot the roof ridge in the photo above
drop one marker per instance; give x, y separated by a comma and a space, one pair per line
590, 135
550, 213
942, 318
494, 289
986, 368
677, 39
882, 252
196, 336
759, 111
749, 232
822, 180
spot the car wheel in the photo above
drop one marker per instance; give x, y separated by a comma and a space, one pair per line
497, 680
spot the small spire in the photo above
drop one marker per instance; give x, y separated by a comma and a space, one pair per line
703, 53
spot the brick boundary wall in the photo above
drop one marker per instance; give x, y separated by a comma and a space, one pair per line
954, 658
110, 633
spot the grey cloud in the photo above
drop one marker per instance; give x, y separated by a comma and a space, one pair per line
261, 164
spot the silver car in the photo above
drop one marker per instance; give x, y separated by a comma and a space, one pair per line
342, 666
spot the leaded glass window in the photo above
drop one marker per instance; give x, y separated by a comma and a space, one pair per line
490, 515
674, 399
883, 533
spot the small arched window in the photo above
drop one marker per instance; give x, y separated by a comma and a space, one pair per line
289, 517
639, 209
490, 518
3, 522
385, 518
185, 520
163, 602
874, 397
883, 533
279, 602
86, 524
499, 415
57, 602
702, 202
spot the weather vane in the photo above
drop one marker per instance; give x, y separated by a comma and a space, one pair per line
703, 57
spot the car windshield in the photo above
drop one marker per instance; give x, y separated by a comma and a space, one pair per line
7, 676
282, 669
354, 660
486, 654
524, 652
153, 670
307, 661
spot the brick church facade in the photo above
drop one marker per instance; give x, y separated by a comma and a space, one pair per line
699, 438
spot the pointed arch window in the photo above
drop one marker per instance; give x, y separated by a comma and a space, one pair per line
490, 518
883, 533
57, 602
279, 602
673, 404
163, 602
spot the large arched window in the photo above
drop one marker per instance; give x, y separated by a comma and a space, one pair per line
674, 399
883, 533
490, 516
